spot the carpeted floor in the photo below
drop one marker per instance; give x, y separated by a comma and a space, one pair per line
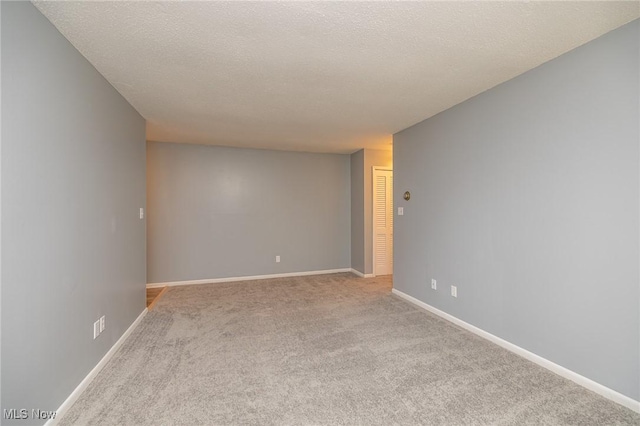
330, 349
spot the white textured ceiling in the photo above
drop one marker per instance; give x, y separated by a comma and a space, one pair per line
316, 76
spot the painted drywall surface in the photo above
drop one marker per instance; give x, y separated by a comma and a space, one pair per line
73, 180
0, 224
526, 198
357, 211
218, 212
372, 158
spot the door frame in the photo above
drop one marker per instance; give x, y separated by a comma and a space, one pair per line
374, 169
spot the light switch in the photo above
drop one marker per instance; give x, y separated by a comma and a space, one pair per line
141, 213
400, 211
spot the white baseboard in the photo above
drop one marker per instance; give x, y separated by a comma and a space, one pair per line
360, 274
602, 390
93, 373
247, 278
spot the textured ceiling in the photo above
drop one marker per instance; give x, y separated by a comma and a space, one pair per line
316, 76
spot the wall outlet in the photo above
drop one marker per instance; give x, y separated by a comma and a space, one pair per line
96, 329
454, 291
102, 323
277, 259
434, 285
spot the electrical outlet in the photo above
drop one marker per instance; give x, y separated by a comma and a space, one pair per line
102, 323
277, 259
434, 285
96, 329
454, 291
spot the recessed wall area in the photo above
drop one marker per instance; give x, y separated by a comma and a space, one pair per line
362, 163
526, 198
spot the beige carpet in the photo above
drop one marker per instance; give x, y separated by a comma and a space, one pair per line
332, 349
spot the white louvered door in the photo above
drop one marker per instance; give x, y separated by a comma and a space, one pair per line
382, 222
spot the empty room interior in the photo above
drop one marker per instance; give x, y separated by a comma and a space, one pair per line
320, 213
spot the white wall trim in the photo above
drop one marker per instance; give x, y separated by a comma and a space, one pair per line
602, 390
248, 278
360, 274
93, 373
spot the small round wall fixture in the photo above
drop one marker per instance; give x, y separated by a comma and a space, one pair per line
407, 195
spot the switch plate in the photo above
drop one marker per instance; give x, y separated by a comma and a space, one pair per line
96, 329
141, 213
400, 211
454, 291
434, 285
102, 323
277, 259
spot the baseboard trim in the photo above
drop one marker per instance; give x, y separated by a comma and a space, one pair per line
360, 274
93, 373
602, 390
248, 278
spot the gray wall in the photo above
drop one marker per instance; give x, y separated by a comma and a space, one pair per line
73, 179
218, 212
357, 211
527, 198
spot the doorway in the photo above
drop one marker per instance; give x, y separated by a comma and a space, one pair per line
382, 221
